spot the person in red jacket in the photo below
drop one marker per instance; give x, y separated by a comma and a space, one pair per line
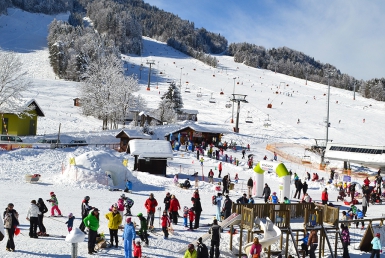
150, 205
220, 169
325, 196
174, 207
137, 249
366, 181
165, 223
191, 217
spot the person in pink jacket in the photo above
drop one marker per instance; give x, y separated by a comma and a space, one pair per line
256, 248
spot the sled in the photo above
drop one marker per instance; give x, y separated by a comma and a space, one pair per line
32, 178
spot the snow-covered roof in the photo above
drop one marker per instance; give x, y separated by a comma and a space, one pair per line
133, 134
21, 105
202, 128
151, 148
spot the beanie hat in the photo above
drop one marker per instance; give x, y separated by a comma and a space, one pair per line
128, 220
70, 215
378, 235
51, 193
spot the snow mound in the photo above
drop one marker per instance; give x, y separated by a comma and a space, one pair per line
99, 167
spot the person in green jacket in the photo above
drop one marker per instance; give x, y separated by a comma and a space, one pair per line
114, 221
92, 223
143, 228
191, 252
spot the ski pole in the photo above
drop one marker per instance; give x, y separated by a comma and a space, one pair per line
159, 209
56, 220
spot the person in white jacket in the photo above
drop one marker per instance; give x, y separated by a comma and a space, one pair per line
32, 216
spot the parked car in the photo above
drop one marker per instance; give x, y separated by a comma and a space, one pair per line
49, 140
9, 138
78, 142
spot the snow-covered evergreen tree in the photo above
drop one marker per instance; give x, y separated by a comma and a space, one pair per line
174, 96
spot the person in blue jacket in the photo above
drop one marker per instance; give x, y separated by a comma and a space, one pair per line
274, 198
129, 236
304, 243
376, 246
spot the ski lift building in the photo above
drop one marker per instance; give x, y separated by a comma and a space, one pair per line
188, 114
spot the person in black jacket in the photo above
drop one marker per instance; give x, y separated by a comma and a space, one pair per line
304, 187
227, 205
243, 199
298, 187
225, 183
43, 209
202, 251
215, 232
85, 210
166, 202
266, 192
352, 189
197, 206
250, 184
11, 221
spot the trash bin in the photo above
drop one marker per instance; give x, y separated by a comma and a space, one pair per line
231, 186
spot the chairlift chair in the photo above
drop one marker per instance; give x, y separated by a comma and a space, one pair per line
199, 94
228, 104
249, 118
306, 159
187, 89
267, 121
212, 100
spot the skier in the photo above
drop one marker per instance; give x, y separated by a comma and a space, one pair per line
243, 153
191, 217
143, 228
227, 205
250, 184
219, 205
120, 204
32, 216
85, 211
266, 192
92, 223
43, 209
215, 232
70, 222
137, 249
202, 250
150, 205
185, 215
129, 236
197, 207
55, 204
166, 202
220, 169
11, 221
211, 176
165, 224
128, 203
114, 221
174, 207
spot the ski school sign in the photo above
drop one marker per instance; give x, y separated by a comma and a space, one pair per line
282, 173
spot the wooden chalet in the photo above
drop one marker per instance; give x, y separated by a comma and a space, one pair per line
188, 114
151, 155
127, 135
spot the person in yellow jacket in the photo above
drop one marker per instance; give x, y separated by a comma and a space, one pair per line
114, 221
191, 252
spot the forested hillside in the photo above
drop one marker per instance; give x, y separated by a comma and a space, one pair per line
117, 27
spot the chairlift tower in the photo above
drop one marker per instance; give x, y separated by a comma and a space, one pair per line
232, 113
150, 62
238, 98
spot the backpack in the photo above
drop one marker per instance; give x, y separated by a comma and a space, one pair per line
214, 200
203, 251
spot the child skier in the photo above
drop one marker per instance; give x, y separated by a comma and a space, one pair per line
137, 249
165, 224
70, 222
128, 203
55, 204
185, 215
143, 228
236, 178
191, 216
120, 203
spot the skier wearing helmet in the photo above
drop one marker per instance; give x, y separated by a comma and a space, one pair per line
55, 204
129, 236
143, 228
85, 210
191, 252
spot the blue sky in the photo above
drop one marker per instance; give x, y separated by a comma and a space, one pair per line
349, 34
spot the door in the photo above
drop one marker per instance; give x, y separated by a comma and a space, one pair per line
32, 127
